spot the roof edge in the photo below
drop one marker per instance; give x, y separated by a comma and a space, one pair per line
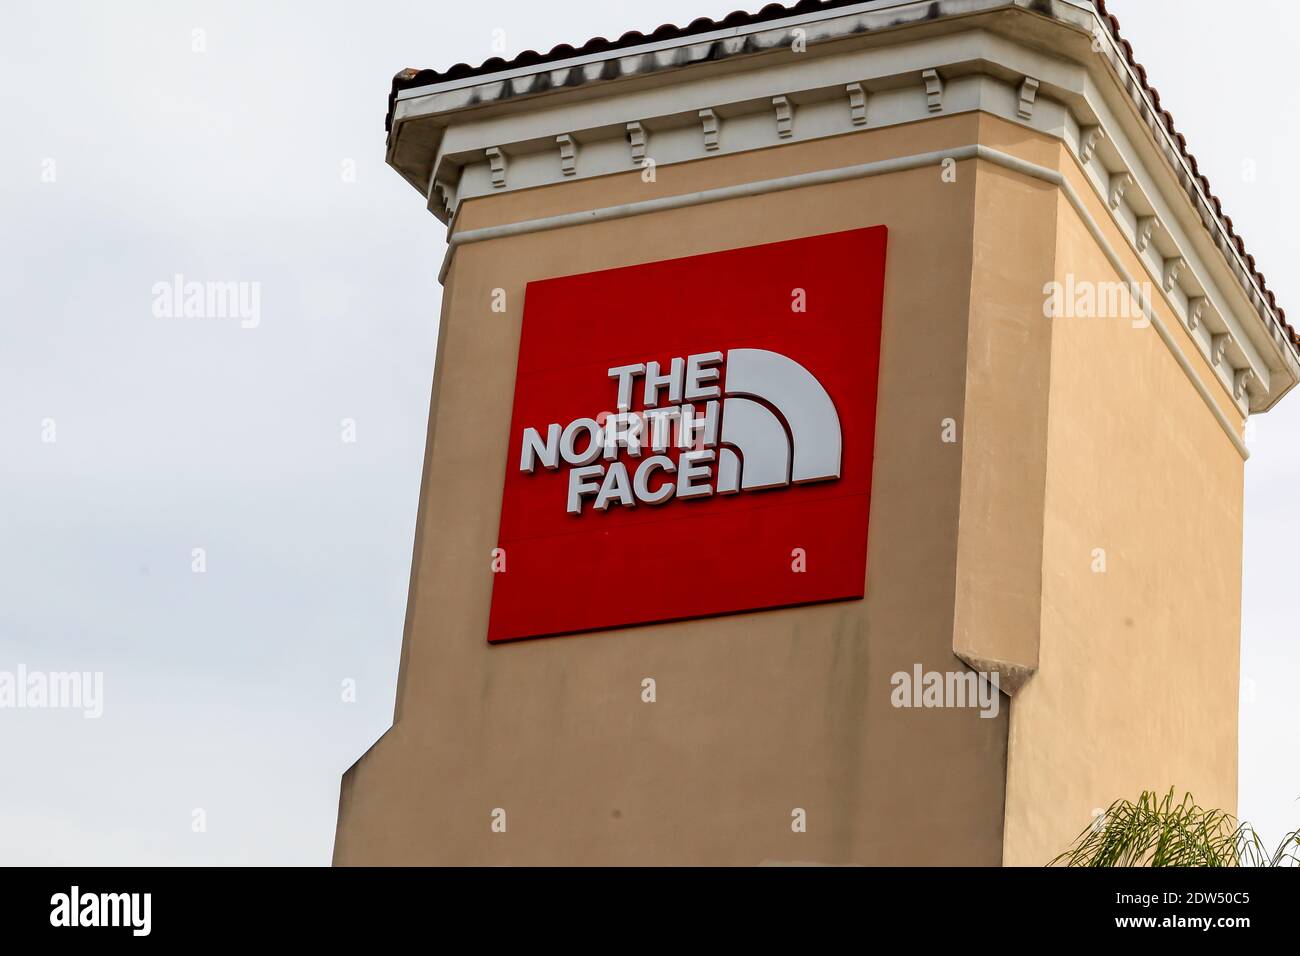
1196, 183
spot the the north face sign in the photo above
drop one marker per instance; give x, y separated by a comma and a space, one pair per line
775, 425
692, 437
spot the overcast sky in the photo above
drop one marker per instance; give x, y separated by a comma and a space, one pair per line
251, 151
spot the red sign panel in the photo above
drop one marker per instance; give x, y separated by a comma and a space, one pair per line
692, 437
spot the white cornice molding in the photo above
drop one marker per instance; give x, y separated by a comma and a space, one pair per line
818, 96
1189, 181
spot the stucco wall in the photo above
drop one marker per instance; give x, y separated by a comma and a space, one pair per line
1005, 421
1137, 686
757, 714
1074, 434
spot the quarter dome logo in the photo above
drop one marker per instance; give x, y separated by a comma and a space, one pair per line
692, 437
775, 425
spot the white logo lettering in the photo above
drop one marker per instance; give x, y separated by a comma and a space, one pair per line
772, 425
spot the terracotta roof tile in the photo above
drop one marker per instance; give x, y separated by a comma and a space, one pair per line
773, 11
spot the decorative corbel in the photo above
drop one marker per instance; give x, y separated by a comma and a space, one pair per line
709, 120
1241, 381
784, 116
1173, 269
1089, 137
1028, 93
1195, 312
1146, 228
1119, 184
1219, 347
568, 154
636, 137
443, 193
933, 90
497, 160
857, 104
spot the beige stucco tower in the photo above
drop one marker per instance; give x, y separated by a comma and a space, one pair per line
1058, 466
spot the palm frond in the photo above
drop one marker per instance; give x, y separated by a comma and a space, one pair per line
1154, 831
